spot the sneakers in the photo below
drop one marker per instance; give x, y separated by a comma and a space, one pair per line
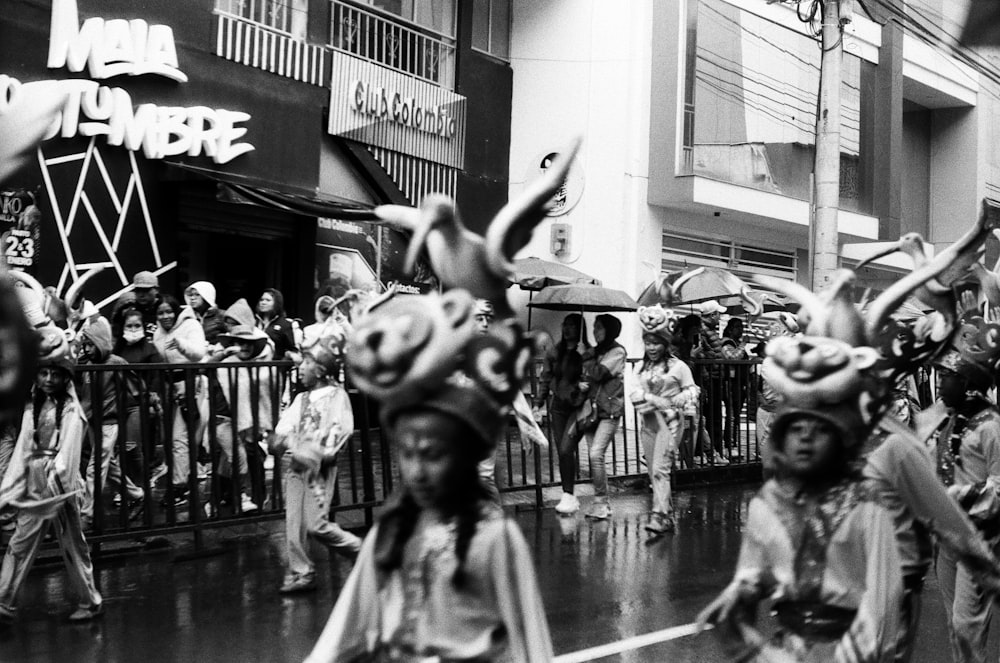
599, 511
719, 459
298, 583
247, 505
568, 504
84, 614
660, 524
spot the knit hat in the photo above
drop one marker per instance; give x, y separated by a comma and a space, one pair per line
659, 322
206, 290
422, 352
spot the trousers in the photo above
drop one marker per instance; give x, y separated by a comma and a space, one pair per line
307, 513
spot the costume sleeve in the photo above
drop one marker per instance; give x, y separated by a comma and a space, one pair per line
353, 627
518, 597
908, 465
688, 396
70, 448
982, 500
873, 633
289, 418
341, 426
545, 380
12, 483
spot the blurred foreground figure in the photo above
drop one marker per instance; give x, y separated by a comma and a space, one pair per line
43, 482
443, 576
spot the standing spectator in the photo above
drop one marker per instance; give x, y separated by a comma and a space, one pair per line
200, 296
271, 319
145, 298
562, 370
604, 368
734, 381
99, 393
247, 393
43, 479
181, 340
666, 395
134, 348
710, 347
309, 434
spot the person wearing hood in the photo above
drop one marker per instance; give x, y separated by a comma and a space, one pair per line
180, 339
272, 321
99, 397
246, 413
322, 310
43, 482
200, 297
238, 315
604, 369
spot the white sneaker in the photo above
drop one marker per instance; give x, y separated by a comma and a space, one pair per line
246, 504
568, 504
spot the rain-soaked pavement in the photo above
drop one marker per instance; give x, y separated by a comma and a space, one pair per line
601, 582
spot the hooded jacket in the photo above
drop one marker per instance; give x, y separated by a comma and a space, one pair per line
189, 336
99, 333
604, 369
253, 391
242, 313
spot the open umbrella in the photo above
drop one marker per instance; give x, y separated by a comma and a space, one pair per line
583, 297
535, 274
692, 285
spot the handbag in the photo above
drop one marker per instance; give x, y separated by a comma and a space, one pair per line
586, 416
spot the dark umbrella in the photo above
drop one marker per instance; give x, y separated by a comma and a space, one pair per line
583, 297
692, 285
535, 274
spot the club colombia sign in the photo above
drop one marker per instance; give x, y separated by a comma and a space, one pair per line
116, 47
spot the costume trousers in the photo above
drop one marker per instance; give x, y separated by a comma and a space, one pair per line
659, 451
110, 470
971, 609
307, 509
910, 615
24, 546
598, 442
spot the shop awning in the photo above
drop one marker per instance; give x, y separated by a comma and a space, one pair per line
231, 188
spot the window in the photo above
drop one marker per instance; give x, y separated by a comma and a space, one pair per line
679, 250
435, 15
491, 27
283, 15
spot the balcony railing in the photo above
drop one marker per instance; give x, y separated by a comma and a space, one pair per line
388, 42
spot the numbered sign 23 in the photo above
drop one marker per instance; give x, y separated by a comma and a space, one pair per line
19, 248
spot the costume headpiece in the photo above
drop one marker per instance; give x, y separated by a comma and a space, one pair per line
837, 370
974, 351
659, 322
423, 351
328, 349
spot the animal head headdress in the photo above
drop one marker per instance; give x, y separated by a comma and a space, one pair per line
658, 321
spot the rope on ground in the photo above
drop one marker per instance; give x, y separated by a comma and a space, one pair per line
634, 642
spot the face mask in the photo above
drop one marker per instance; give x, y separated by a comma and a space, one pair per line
132, 337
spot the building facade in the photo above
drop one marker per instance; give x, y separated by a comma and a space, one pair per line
244, 142
699, 126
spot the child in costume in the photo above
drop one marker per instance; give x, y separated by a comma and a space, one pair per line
817, 541
443, 573
667, 393
310, 433
43, 482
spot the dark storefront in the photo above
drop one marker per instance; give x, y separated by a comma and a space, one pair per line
201, 144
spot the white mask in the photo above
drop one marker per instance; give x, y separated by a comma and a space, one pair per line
132, 337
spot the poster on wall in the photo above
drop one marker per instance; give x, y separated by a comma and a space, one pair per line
346, 255
20, 226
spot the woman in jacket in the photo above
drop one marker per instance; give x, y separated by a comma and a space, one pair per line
180, 339
604, 367
271, 319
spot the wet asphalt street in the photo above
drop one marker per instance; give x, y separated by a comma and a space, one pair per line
601, 582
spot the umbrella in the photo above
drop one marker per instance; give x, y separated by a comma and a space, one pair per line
535, 274
693, 285
583, 297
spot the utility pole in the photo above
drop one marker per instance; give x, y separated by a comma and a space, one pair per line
826, 168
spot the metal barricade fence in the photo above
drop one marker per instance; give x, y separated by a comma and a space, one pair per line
178, 448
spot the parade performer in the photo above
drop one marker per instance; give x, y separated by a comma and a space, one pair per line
444, 575
817, 540
43, 482
667, 395
309, 434
968, 464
